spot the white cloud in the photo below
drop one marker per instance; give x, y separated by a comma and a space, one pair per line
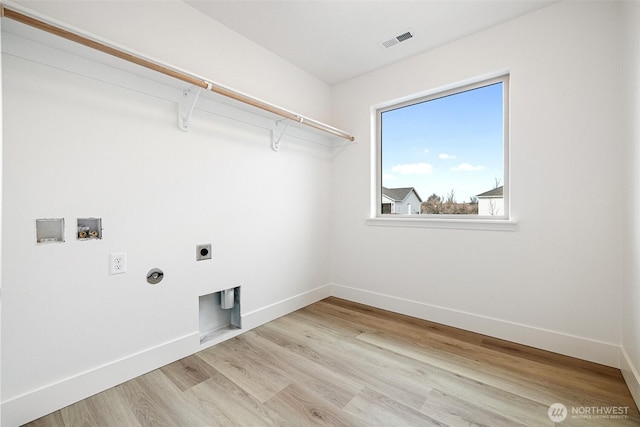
426, 151
446, 156
388, 177
413, 169
466, 167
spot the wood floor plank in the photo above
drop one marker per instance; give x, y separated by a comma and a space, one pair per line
451, 410
468, 368
186, 373
224, 403
365, 365
295, 402
337, 362
54, 419
377, 409
332, 387
543, 384
110, 409
511, 405
463, 380
382, 361
146, 407
172, 401
80, 415
251, 373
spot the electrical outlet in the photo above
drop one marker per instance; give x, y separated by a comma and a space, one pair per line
118, 263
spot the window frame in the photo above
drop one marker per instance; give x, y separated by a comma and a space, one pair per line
504, 221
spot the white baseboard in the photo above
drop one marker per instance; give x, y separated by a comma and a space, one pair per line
631, 375
271, 312
34, 404
557, 342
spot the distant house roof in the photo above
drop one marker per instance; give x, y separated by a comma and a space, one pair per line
496, 192
399, 194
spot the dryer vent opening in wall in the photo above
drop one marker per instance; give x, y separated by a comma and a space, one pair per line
219, 314
397, 39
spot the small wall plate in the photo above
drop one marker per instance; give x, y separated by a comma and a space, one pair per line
203, 252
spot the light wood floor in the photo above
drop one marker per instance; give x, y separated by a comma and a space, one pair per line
340, 363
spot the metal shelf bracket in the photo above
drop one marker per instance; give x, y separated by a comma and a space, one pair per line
186, 105
278, 132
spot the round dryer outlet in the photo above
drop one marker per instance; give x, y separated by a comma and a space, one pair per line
203, 252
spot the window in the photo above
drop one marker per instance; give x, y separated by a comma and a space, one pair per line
445, 154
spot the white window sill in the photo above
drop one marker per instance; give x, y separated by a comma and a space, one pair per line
455, 223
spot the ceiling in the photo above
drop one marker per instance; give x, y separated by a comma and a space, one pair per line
337, 40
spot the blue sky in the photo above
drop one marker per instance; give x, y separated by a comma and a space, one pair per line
454, 142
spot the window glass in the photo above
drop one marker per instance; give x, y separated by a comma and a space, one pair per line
445, 154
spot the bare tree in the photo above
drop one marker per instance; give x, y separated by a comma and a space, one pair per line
493, 208
433, 205
451, 197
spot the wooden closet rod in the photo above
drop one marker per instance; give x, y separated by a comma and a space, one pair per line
192, 80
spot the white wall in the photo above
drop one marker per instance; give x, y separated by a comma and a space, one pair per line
631, 297
553, 283
77, 147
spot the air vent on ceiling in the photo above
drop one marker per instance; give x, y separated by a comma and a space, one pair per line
397, 39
